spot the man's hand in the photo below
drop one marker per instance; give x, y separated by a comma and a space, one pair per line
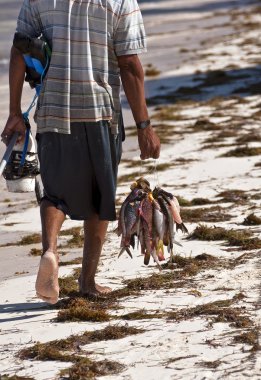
15, 123
149, 143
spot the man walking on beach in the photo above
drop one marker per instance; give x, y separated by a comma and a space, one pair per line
94, 44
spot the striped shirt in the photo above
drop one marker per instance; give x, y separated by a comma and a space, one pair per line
86, 36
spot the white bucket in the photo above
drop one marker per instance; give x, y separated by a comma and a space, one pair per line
24, 184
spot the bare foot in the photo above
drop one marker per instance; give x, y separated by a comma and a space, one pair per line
95, 290
47, 286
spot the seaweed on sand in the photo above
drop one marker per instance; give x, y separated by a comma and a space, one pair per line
203, 124
77, 260
233, 195
151, 71
193, 202
68, 285
211, 214
252, 220
86, 369
218, 311
73, 343
249, 137
35, 252
209, 364
79, 309
83, 367
243, 152
142, 314
240, 238
69, 350
250, 337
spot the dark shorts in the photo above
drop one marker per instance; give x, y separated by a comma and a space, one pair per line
79, 171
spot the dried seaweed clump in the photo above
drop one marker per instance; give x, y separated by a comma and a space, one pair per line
68, 286
80, 309
242, 152
151, 71
194, 202
30, 239
35, 252
68, 349
85, 369
210, 214
219, 311
252, 220
142, 314
251, 338
204, 124
239, 238
233, 195
77, 260
53, 349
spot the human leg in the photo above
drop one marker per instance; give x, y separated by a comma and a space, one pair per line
47, 287
94, 236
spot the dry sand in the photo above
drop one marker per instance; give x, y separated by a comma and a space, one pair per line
208, 55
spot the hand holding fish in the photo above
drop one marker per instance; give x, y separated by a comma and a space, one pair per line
149, 143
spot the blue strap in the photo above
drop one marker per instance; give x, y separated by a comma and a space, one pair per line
33, 63
26, 142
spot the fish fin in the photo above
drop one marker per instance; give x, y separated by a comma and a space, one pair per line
182, 227
155, 258
171, 256
121, 252
129, 252
160, 250
127, 249
177, 243
147, 258
132, 241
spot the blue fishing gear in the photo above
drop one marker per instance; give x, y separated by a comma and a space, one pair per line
23, 165
37, 54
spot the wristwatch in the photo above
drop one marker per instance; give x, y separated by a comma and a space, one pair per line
143, 124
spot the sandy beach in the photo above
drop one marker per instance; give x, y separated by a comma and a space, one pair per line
199, 318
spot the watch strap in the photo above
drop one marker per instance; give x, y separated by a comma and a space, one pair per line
143, 124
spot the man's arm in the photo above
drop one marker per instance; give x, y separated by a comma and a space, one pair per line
132, 77
15, 121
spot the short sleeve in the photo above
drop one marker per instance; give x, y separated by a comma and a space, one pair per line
28, 21
129, 35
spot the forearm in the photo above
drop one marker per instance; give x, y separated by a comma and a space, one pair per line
132, 78
16, 80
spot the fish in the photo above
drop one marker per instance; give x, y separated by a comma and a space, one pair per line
152, 218
136, 194
159, 225
145, 214
130, 220
175, 210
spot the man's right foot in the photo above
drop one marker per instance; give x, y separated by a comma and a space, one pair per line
95, 291
47, 286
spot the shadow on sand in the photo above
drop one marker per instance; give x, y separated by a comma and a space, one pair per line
203, 86
210, 6
25, 308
